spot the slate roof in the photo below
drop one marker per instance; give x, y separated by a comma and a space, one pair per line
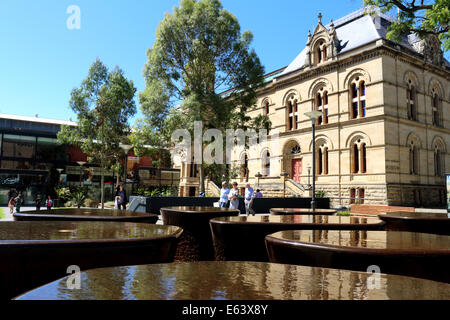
355, 30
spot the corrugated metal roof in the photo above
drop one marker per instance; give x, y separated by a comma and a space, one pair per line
36, 119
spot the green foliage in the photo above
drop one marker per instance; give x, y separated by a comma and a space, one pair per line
343, 213
156, 192
103, 103
422, 17
199, 53
320, 194
78, 198
63, 193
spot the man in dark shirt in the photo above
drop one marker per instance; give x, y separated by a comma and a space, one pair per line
122, 198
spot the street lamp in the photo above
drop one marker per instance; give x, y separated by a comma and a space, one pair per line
313, 115
125, 148
258, 175
284, 175
81, 163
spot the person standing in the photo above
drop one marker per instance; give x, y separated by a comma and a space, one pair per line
248, 197
49, 203
38, 202
224, 192
258, 194
121, 198
234, 196
18, 200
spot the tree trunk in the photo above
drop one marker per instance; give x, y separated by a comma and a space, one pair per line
102, 185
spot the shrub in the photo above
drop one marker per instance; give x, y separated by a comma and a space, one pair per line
69, 204
321, 194
78, 198
63, 194
91, 203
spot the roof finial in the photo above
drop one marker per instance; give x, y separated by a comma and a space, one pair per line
320, 17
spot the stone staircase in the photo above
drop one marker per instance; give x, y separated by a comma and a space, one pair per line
275, 189
268, 189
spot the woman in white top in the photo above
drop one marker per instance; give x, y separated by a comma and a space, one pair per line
234, 197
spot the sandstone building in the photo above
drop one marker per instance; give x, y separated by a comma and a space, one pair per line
385, 129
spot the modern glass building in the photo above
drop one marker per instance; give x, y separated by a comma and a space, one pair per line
32, 161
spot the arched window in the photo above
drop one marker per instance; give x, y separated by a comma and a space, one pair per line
413, 159
319, 160
322, 105
359, 157
438, 167
325, 160
363, 157
266, 164
436, 108
357, 98
322, 159
266, 108
292, 113
320, 52
411, 101
355, 158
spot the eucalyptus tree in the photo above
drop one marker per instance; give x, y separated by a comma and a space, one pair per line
424, 17
103, 103
200, 68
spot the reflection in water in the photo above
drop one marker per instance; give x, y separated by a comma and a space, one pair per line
65, 230
238, 281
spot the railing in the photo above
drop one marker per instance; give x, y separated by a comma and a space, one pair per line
212, 185
296, 184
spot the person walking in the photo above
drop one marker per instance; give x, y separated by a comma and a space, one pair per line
248, 198
234, 196
224, 192
122, 198
11, 204
49, 203
19, 201
38, 202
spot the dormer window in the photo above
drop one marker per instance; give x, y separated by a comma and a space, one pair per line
321, 52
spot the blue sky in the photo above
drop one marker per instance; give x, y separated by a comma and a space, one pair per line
41, 60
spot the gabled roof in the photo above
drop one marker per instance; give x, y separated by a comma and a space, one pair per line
355, 30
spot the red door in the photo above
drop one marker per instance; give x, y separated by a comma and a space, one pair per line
296, 169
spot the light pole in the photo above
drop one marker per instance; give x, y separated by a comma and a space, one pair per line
284, 175
309, 174
81, 163
125, 148
313, 115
